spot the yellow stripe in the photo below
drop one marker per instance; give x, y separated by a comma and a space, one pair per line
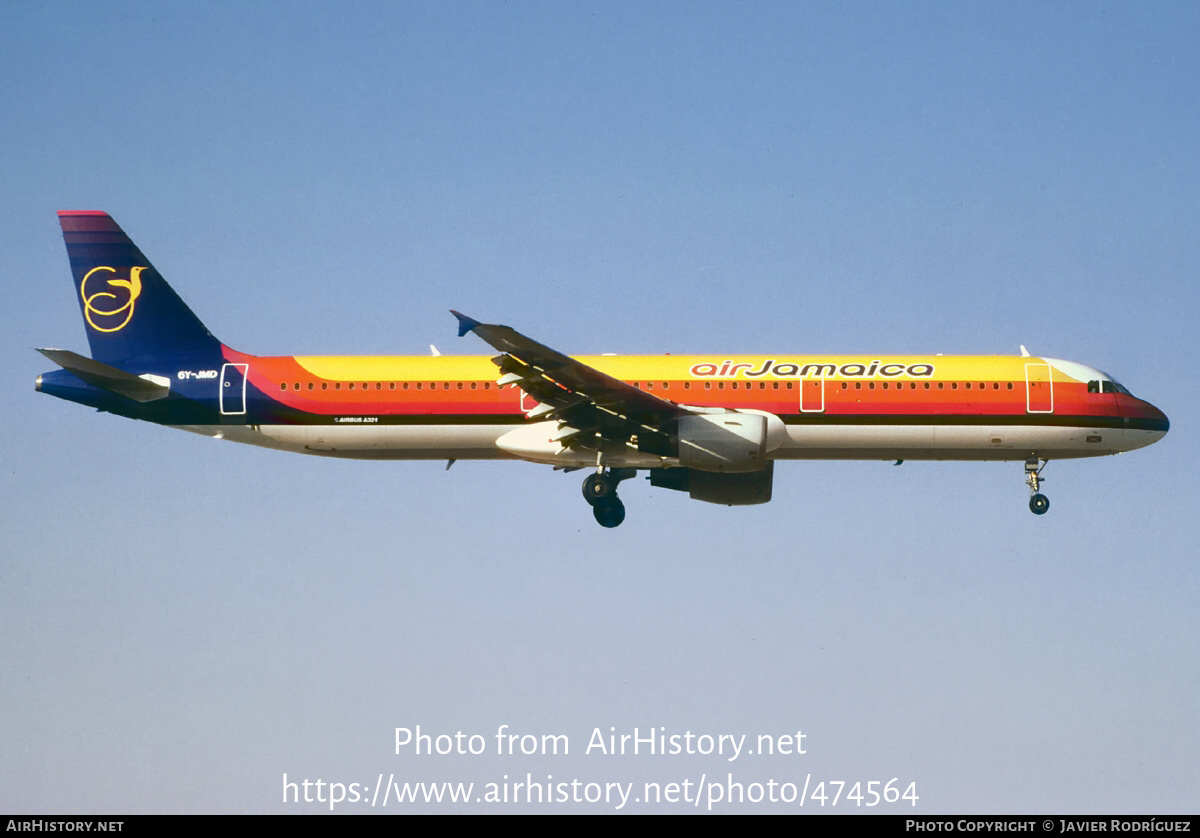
399, 367
658, 367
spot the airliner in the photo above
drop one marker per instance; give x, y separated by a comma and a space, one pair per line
712, 426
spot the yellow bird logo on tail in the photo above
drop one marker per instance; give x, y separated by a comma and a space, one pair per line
106, 305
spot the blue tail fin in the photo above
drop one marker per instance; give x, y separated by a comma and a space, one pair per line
129, 311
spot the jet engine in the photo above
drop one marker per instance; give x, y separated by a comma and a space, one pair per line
732, 441
742, 489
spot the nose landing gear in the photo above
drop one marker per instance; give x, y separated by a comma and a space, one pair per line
600, 490
1038, 503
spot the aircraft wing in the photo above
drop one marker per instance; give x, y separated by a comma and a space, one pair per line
590, 406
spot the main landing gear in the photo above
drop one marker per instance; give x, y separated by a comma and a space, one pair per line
1038, 503
600, 490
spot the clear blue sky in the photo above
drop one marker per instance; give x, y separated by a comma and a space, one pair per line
184, 621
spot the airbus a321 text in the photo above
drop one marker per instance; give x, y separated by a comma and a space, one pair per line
709, 425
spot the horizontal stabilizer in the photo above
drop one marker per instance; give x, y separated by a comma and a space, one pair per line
109, 378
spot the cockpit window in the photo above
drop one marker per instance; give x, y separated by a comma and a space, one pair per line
1109, 386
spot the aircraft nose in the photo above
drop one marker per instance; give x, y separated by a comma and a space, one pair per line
1162, 417
1150, 418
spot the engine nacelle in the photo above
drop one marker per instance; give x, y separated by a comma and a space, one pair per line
742, 489
728, 442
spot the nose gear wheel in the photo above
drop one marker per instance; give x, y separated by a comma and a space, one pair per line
1038, 503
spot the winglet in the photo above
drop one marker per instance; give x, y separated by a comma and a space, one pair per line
465, 324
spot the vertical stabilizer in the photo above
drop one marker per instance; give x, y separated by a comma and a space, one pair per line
129, 311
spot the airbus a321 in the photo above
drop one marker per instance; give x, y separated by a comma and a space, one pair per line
709, 425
